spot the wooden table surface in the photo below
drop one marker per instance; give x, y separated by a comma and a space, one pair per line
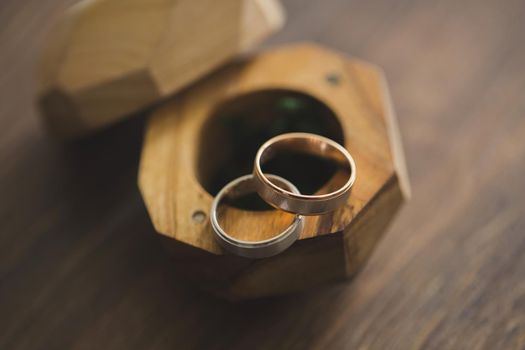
81, 269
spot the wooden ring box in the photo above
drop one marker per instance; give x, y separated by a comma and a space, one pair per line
207, 134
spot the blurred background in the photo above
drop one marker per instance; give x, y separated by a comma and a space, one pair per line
450, 272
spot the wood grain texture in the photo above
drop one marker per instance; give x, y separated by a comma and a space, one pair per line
106, 59
169, 179
79, 268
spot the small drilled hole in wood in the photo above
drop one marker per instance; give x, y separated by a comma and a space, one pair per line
198, 216
333, 78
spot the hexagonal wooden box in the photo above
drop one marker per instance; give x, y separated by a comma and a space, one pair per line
207, 135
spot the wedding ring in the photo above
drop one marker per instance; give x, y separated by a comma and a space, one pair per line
253, 249
295, 202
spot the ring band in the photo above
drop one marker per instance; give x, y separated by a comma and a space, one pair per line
253, 249
295, 202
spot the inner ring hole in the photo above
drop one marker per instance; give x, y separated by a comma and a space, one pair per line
235, 130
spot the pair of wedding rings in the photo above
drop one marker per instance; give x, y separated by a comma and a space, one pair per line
282, 194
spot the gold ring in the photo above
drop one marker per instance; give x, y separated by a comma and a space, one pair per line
296, 202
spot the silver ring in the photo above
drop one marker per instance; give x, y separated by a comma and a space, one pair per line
254, 249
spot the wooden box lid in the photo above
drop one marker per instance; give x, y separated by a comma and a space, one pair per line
106, 59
